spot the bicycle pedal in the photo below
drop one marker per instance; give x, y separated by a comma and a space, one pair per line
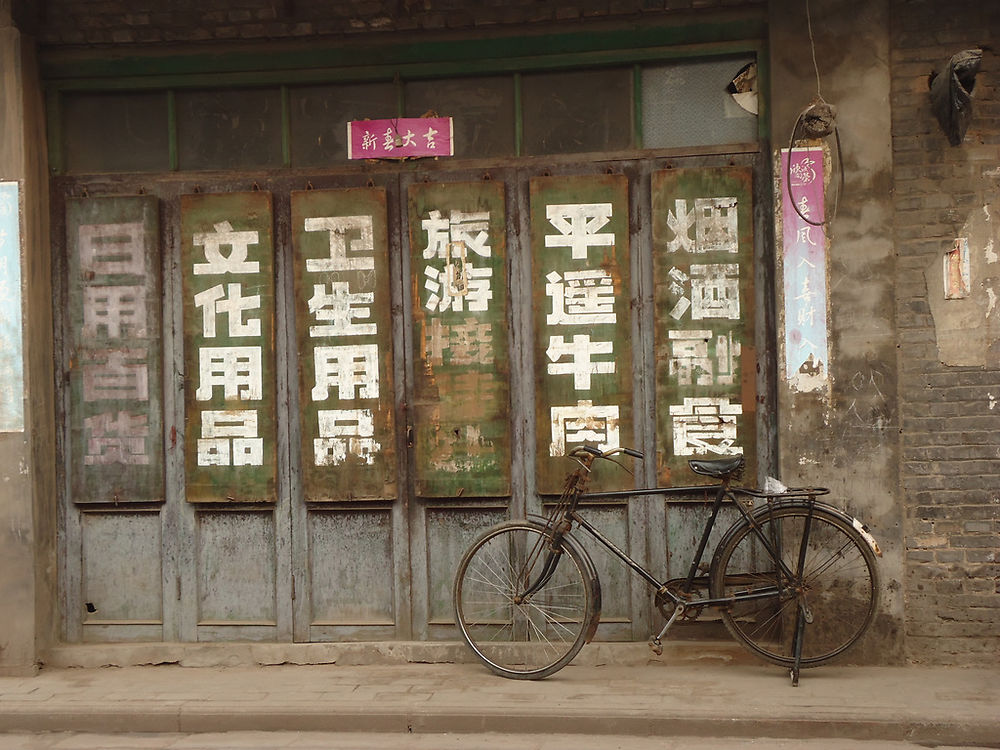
656, 646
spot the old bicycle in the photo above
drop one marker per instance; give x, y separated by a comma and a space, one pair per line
795, 579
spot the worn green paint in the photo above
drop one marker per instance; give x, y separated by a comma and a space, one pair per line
696, 343
116, 373
253, 477
342, 257
363, 60
563, 378
461, 390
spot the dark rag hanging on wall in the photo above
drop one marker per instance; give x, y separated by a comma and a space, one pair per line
951, 93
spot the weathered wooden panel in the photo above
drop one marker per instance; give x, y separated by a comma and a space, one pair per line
121, 572
344, 332
583, 349
236, 568
685, 523
116, 373
450, 531
351, 568
705, 356
462, 392
229, 386
616, 579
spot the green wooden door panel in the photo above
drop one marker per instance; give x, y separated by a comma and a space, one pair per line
705, 355
583, 326
344, 332
115, 330
461, 413
227, 257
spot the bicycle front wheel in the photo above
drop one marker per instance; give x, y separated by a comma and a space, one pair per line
835, 587
517, 632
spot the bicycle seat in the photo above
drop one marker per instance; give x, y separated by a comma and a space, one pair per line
717, 467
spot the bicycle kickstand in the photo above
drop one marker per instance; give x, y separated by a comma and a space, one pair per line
656, 642
804, 616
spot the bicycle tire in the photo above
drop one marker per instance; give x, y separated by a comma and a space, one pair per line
839, 584
529, 639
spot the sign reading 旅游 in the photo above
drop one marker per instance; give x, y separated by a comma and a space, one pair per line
400, 138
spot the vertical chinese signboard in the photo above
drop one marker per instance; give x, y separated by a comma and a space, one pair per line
343, 323
116, 407
703, 276
804, 269
227, 265
458, 246
583, 352
11, 351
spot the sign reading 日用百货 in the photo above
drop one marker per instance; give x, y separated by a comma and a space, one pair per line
400, 138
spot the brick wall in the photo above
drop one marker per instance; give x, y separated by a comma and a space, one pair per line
950, 401
150, 21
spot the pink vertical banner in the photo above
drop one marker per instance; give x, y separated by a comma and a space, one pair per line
804, 270
400, 138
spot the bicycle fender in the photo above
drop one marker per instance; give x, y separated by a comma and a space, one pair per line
832, 510
595, 581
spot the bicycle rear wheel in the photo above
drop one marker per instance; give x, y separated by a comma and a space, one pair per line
837, 585
518, 636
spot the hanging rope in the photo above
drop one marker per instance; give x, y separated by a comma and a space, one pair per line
818, 120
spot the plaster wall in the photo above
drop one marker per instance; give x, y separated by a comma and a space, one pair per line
846, 436
27, 490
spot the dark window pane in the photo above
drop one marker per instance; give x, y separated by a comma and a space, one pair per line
589, 110
116, 132
319, 117
229, 129
482, 108
687, 104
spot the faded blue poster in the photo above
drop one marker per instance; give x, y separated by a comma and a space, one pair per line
11, 354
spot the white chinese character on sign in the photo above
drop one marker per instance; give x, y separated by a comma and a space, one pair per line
468, 343
581, 297
705, 425
352, 370
680, 221
726, 353
803, 235
119, 310
579, 225
457, 284
352, 243
116, 438
689, 359
369, 140
214, 301
803, 171
716, 225
805, 313
715, 291
239, 247
116, 374
112, 249
345, 432
388, 140
340, 310
583, 423
238, 369
580, 352
229, 438
429, 136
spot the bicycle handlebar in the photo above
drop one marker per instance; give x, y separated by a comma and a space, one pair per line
597, 453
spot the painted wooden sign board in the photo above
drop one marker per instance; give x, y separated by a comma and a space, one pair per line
705, 357
227, 255
11, 349
344, 333
115, 333
583, 325
462, 396
400, 138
